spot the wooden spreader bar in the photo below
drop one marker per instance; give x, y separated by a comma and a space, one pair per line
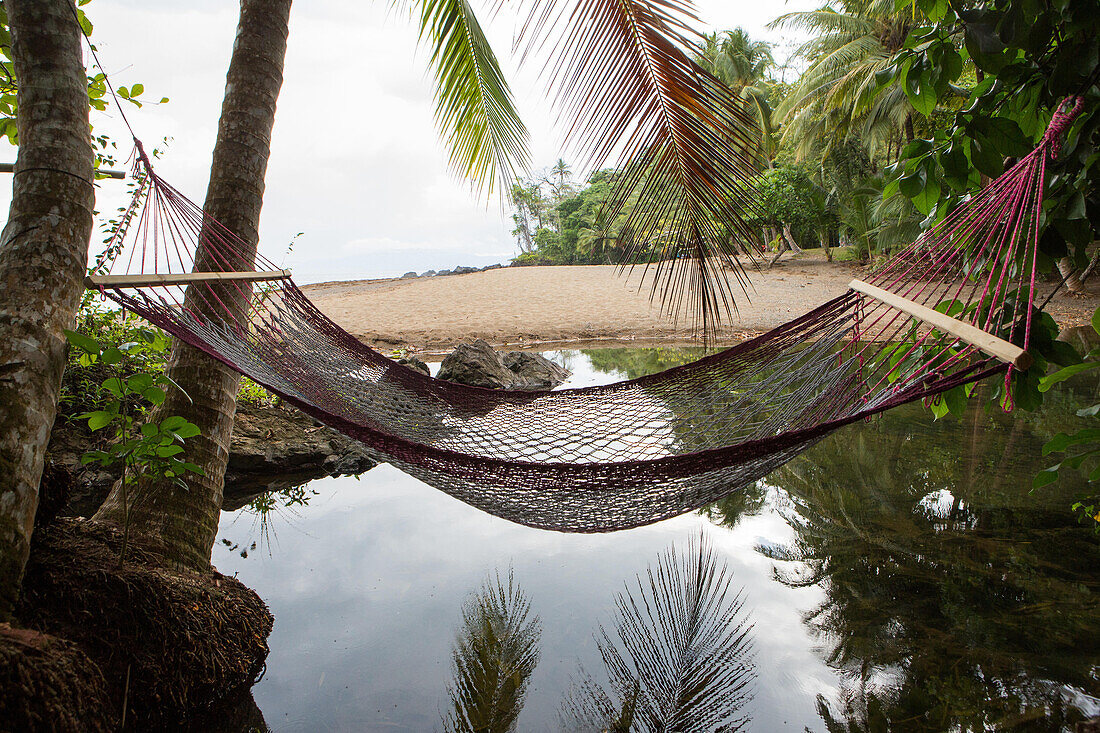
152, 279
972, 335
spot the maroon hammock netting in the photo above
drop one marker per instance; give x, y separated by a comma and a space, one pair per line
627, 454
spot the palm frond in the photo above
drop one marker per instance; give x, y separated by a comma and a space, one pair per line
680, 655
474, 108
628, 88
494, 655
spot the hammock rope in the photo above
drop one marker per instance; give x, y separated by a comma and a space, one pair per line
626, 454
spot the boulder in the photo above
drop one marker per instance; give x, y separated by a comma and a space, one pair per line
479, 365
461, 270
497, 266
409, 275
413, 363
442, 273
429, 273
535, 370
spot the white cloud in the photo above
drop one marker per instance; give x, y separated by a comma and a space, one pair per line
356, 163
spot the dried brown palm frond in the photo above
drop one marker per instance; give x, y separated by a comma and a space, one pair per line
626, 84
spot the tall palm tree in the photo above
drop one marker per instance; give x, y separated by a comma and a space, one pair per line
743, 65
838, 95
43, 255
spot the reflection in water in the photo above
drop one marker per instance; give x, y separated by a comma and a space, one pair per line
954, 600
680, 657
495, 653
266, 511
922, 585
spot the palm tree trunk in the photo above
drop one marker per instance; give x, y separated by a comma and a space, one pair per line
1069, 273
182, 523
43, 256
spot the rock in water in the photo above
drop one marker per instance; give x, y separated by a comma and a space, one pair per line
479, 365
536, 371
413, 363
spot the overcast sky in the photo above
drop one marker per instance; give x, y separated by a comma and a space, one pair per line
356, 163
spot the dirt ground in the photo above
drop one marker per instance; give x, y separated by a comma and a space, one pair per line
528, 305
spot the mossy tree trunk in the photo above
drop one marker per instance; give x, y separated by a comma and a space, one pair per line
182, 523
43, 256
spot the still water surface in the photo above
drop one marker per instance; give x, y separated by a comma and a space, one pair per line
899, 571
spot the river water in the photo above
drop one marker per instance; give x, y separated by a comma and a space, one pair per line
899, 572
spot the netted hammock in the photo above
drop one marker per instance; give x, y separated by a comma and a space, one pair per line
627, 454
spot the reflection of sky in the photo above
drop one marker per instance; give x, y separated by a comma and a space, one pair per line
367, 584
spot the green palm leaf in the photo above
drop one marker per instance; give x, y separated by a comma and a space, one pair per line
474, 108
627, 87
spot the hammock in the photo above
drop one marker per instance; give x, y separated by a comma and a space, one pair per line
950, 309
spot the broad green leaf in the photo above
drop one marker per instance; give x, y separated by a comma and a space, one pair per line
1045, 477
172, 423
139, 383
84, 343
99, 419
1065, 373
149, 430
155, 395
1061, 441
111, 356
190, 430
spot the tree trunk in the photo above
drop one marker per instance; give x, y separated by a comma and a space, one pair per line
43, 256
1070, 275
182, 523
790, 239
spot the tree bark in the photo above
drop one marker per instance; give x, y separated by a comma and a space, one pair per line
1069, 273
43, 257
182, 523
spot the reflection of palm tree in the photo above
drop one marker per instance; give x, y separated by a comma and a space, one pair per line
494, 655
680, 657
746, 502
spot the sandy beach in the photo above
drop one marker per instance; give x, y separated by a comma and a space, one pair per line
529, 305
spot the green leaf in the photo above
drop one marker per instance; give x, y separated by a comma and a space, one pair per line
100, 419
1061, 441
1065, 373
1045, 477
111, 356
1096, 321
139, 383
84, 343
149, 430
169, 451
174, 422
113, 385
955, 399
190, 430
155, 395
